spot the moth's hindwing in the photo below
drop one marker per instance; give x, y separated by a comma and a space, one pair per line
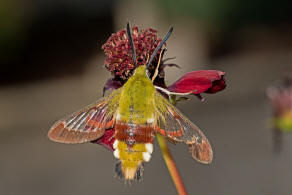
88, 123
171, 123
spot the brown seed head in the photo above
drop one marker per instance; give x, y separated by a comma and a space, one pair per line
118, 51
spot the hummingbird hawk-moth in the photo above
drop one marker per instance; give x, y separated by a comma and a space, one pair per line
136, 112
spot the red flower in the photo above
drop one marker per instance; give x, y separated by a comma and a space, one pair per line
107, 140
197, 82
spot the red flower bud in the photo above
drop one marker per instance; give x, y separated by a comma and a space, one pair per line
196, 82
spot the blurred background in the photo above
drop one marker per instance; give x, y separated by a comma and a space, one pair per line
52, 65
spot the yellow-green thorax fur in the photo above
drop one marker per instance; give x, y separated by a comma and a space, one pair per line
137, 98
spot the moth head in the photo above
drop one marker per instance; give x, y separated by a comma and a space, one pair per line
143, 69
140, 70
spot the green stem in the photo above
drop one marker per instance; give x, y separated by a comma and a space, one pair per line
176, 178
174, 173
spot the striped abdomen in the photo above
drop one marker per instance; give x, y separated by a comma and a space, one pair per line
133, 146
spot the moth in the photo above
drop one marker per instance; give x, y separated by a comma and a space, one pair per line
137, 112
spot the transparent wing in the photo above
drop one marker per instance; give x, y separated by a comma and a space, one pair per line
171, 123
88, 123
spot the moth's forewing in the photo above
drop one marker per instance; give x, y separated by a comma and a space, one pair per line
172, 124
87, 124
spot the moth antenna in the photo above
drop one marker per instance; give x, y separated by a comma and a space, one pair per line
159, 46
132, 43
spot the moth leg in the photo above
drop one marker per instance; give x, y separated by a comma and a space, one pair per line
157, 67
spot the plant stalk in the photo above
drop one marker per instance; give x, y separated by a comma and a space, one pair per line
176, 178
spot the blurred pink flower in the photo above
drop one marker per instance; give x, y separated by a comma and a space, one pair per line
280, 96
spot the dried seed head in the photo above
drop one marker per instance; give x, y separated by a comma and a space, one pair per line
119, 56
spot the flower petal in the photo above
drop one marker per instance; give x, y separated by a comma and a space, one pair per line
107, 140
196, 82
112, 83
